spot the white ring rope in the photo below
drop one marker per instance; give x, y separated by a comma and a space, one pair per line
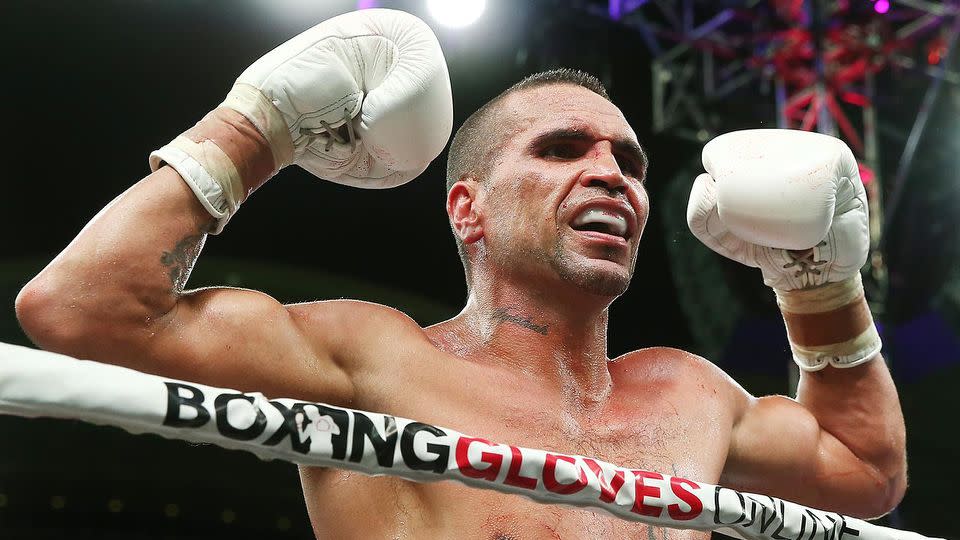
36, 383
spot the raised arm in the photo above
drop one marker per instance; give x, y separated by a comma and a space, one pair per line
116, 293
361, 99
840, 444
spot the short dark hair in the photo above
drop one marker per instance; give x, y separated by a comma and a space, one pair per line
478, 136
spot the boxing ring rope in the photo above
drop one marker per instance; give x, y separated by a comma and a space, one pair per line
36, 383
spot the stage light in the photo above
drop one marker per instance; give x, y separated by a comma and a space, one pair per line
456, 14
882, 6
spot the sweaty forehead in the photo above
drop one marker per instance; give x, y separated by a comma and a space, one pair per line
569, 106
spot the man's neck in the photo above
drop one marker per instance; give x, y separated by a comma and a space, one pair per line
559, 342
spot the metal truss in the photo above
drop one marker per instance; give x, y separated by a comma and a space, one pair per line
699, 59
820, 57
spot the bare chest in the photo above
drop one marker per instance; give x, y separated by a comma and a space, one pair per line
656, 430
653, 435
652, 442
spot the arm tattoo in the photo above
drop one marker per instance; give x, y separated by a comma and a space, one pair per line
503, 315
179, 261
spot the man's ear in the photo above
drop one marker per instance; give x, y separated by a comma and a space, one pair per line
463, 210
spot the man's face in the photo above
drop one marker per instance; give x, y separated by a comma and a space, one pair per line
564, 196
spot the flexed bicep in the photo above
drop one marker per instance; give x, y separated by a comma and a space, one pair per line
778, 448
244, 340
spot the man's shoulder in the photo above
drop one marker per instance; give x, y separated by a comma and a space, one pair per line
663, 355
353, 317
666, 363
679, 373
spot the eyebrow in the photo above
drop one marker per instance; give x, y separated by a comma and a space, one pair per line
628, 147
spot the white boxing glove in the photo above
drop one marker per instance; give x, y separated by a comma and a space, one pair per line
792, 204
768, 191
361, 99
378, 73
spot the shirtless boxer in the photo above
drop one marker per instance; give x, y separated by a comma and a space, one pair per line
547, 202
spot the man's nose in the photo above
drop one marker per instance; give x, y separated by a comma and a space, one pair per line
603, 170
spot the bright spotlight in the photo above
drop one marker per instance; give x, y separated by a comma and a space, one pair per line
456, 13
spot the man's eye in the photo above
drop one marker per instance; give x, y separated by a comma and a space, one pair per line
561, 151
629, 168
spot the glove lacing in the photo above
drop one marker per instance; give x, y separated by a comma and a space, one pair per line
804, 259
333, 134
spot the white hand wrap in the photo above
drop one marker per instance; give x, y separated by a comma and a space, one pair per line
851, 352
208, 171
792, 204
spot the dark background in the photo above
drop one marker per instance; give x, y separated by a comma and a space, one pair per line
90, 88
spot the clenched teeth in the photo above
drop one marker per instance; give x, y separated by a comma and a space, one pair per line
614, 223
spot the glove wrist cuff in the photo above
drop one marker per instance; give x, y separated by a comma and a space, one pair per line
829, 325
261, 112
820, 299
